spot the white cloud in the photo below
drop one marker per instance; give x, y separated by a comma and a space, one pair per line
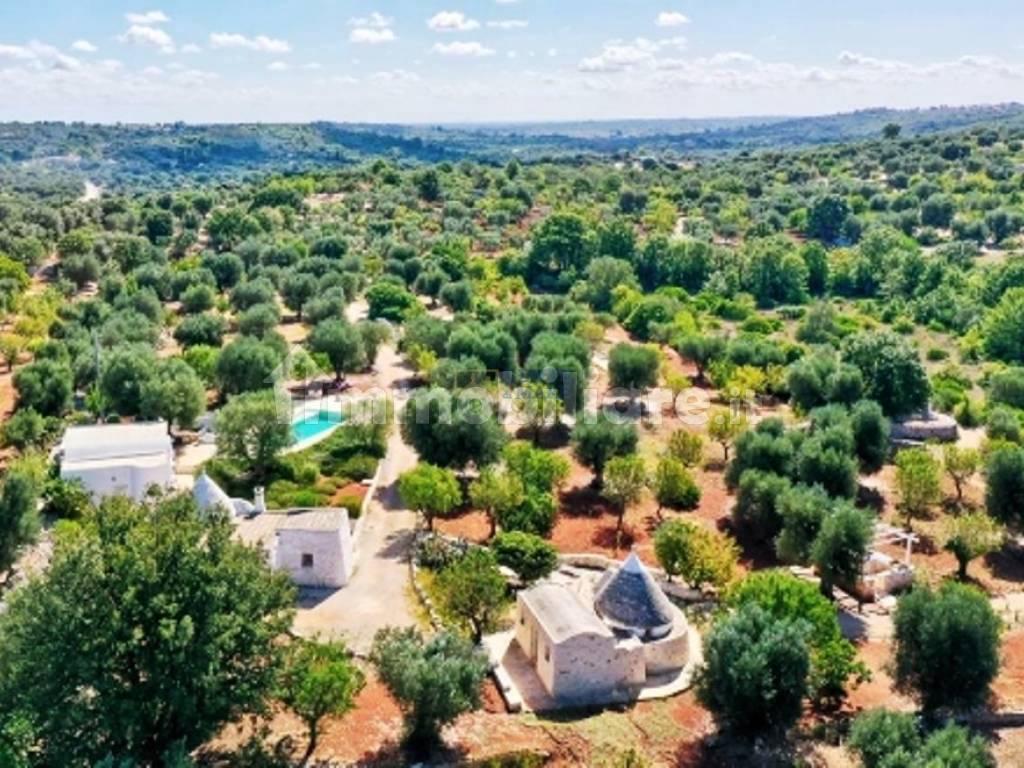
312, 66
190, 48
139, 34
373, 21
671, 19
260, 43
620, 55
372, 30
83, 46
193, 78
278, 66
508, 24
395, 77
452, 21
371, 36
40, 57
148, 18
459, 48
16, 52
152, 72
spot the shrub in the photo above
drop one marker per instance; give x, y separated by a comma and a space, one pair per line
687, 447
535, 515
531, 557
437, 552
674, 486
358, 468
352, 503
955, 747
694, 553
1003, 424
66, 499
882, 738
833, 657
1004, 491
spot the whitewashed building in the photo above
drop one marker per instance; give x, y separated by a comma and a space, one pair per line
313, 546
118, 459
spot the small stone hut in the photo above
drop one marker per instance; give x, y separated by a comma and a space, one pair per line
604, 647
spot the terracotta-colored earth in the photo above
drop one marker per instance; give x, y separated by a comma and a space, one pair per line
1009, 686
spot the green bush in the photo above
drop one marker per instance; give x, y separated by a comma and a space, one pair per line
531, 557
358, 468
1003, 424
352, 503
437, 552
882, 738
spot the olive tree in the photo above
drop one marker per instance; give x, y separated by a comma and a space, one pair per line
933, 627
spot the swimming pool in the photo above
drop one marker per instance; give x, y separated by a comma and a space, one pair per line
314, 425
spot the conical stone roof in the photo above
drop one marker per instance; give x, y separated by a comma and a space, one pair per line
629, 599
209, 495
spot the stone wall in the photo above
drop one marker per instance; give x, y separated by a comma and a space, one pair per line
582, 669
670, 653
925, 427
331, 551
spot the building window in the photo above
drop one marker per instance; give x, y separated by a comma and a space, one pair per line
547, 653
307, 560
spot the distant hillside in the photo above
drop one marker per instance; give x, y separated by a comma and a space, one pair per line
146, 155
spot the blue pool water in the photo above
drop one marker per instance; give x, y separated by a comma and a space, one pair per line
315, 424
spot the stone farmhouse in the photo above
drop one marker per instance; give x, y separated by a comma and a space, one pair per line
597, 648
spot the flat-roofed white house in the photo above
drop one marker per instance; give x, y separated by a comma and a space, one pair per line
118, 459
602, 646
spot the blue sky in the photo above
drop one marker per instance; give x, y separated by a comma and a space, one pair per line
498, 60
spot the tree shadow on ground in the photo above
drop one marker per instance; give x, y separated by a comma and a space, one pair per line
870, 498
583, 501
1007, 564
549, 438
608, 537
927, 545
718, 751
756, 552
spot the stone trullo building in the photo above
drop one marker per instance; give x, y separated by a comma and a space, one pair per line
604, 646
313, 546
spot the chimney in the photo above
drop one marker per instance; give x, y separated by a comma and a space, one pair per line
259, 500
